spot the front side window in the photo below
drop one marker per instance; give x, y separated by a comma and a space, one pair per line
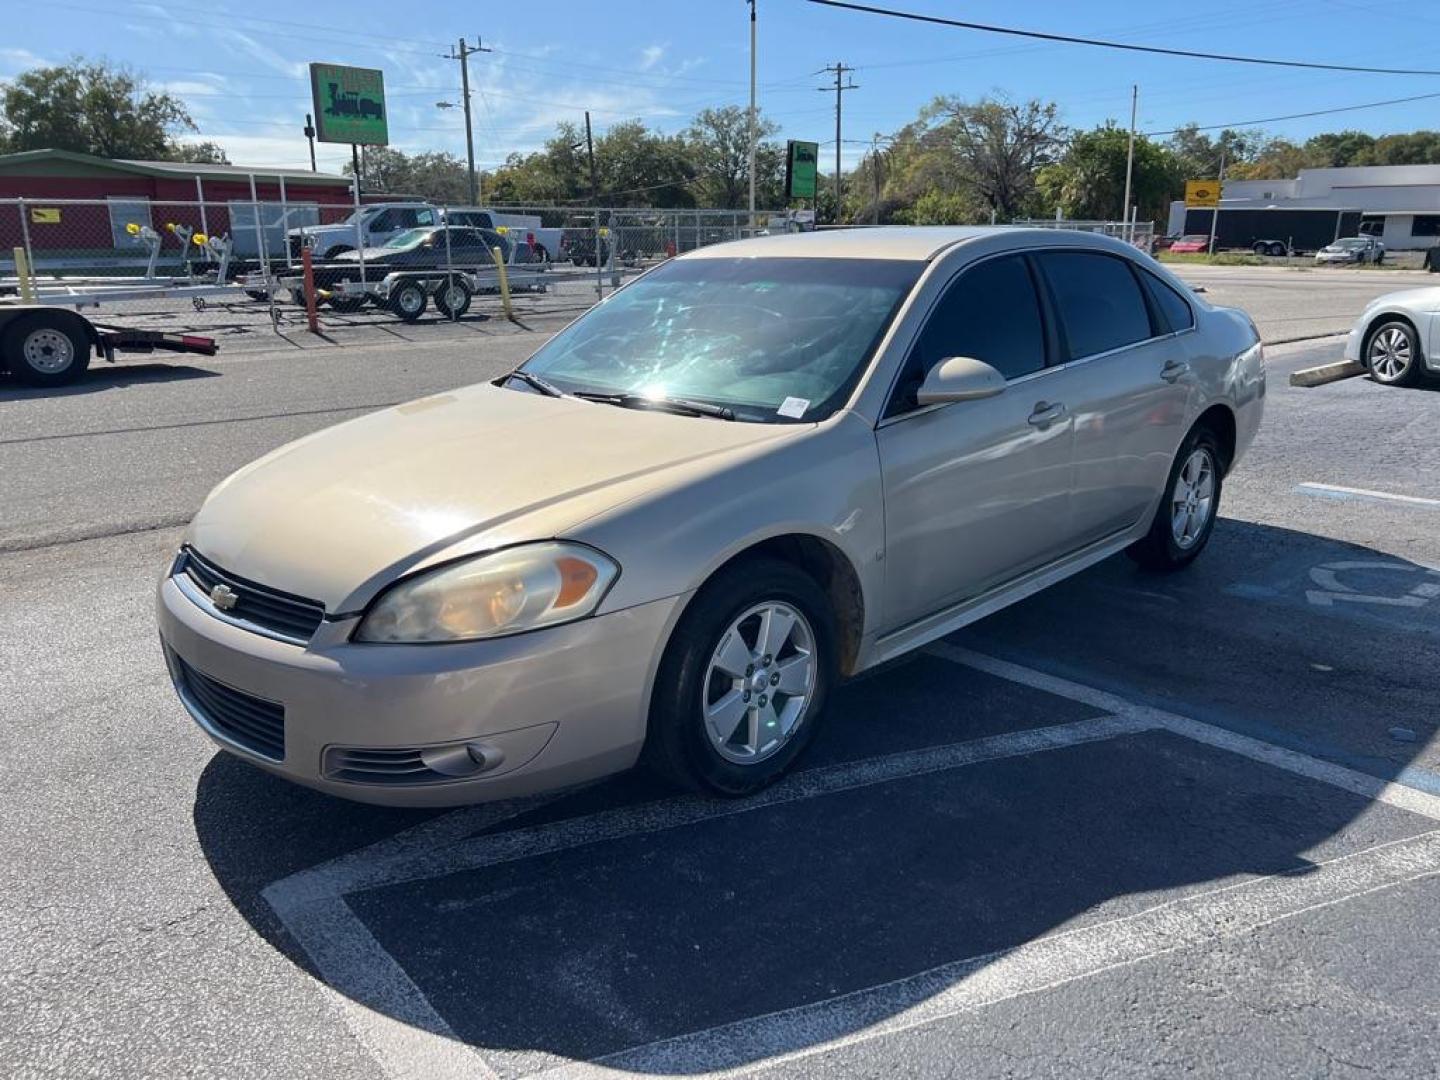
775, 340
1098, 301
423, 217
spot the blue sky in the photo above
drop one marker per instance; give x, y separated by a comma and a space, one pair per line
241, 67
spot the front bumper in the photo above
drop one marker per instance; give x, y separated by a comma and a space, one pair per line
547, 709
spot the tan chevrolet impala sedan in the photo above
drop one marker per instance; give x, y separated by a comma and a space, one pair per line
752, 472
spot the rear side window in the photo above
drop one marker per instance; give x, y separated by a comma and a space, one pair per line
1098, 301
991, 313
1172, 306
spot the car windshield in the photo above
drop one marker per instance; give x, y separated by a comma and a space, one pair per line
774, 340
408, 238
1352, 243
1194, 239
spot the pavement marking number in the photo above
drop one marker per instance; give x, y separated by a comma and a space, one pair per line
392, 1018
1333, 590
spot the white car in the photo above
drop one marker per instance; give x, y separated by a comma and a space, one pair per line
1352, 249
1397, 337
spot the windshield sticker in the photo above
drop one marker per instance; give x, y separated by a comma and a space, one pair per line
793, 406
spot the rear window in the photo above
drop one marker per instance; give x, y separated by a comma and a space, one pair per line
1174, 309
1098, 301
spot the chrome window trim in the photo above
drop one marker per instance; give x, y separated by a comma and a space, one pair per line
192, 592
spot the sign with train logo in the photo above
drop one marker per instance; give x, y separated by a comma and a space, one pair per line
349, 104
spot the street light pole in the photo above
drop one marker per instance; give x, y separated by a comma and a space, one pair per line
752, 113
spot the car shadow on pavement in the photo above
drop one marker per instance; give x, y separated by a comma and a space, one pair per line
109, 377
848, 901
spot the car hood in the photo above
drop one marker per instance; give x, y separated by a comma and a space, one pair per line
1422, 299
339, 514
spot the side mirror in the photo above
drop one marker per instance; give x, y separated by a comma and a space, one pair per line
959, 378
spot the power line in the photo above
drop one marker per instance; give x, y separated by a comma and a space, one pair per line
839, 69
1295, 116
1101, 43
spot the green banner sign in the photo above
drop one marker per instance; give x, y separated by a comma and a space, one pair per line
801, 169
349, 104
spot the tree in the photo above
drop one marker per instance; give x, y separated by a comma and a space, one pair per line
90, 107
436, 175
1414, 148
718, 146
199, 153
998, 146
1089, 180
1335, 149
1200, 155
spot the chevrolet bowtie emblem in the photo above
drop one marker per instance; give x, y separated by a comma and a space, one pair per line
224, 597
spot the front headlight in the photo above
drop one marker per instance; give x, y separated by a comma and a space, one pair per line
504, 592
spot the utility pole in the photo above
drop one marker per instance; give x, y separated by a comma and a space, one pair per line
463, 53
1215, 213
875, 176
752, 113
1127, 230
594, 206
839, 69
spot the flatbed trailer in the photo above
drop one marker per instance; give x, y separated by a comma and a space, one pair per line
47, 345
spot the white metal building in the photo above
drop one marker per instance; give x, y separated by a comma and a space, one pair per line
1400, 203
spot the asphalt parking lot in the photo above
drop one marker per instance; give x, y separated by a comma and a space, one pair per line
1133, 826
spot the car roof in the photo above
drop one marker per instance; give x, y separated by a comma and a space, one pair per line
916, 243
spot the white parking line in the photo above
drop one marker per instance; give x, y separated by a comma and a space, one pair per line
391, 1017
1337, 491
1043, 964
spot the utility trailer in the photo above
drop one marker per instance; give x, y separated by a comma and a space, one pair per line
46, 345
406, 292
1281, 231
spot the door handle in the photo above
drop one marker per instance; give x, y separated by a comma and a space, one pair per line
1173, 369
1045, 413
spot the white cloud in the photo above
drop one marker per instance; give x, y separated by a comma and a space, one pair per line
265, 55
14, 61
651, 55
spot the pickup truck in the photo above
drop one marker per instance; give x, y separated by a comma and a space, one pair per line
375, 224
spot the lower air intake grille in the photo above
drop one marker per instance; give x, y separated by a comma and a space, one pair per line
250, 722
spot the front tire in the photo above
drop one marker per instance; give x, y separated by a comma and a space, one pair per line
1186, 515
452, 298
1392, 353
409, 300
742, 686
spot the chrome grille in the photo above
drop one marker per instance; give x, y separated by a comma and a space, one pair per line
248, 721
284, 615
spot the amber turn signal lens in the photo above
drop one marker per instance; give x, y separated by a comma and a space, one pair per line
576, 578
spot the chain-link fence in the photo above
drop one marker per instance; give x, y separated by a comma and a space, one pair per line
193, 265
1139, 233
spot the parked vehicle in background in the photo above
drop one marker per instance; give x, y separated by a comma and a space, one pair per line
371, 225
755, 470
1352, 249
1163, 243
1190, 244
450, 248
578, 245
1397, 337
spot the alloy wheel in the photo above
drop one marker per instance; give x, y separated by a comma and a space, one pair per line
1390, 354
759, 683
1192, 502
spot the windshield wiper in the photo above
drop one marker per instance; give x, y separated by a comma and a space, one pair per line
545, 387
681, 406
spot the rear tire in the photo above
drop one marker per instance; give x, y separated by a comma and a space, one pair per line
452, 299
346, 305
409, 300
1187, 512
716, 671
45, 349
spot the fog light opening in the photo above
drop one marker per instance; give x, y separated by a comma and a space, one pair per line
463, 759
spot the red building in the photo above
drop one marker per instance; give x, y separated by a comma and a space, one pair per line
216, 199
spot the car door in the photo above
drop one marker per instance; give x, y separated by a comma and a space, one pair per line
976, 492
1125, 379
